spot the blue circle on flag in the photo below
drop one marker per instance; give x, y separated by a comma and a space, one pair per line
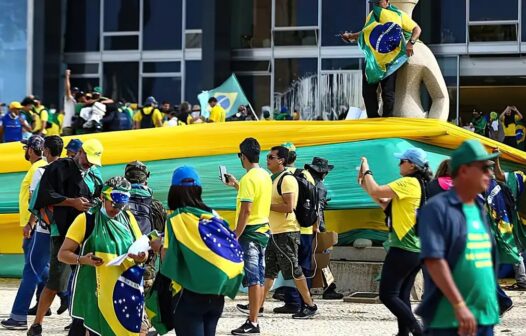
220, 240
128, 299
386, 37
224, 101
520, 135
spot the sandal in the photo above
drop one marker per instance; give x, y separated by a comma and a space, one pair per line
515, 287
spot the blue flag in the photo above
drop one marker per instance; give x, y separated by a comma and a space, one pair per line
229, 95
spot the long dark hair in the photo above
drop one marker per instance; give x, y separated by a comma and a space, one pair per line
509, 119
186, 196
424, 175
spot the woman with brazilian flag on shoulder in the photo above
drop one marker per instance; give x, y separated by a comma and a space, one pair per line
383, 41
106, 300
202, 262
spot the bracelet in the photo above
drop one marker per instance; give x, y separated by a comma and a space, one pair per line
459, 305
78, 259
368, 172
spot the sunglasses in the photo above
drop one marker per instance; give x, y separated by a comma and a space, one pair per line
239, 155
487, 168
403, 161
271, 157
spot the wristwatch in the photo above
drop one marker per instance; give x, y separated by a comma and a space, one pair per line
412, 41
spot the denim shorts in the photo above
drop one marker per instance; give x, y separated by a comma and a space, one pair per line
254, 259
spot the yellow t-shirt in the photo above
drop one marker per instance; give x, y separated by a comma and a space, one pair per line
404, 20
39, 115
77, 230
281, 222
404, 209
157, 117
511, 130
56, 129
217, 114
255, 187
23, 196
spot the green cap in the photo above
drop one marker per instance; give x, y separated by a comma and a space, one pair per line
470, 151
289, 145
97, 89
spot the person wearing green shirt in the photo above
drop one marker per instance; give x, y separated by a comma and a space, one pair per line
480, 123
400, 200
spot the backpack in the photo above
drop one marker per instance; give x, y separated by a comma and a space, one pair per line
307, 208
148, 212
124, 120
146, 120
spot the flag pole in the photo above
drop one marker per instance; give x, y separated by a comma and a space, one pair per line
249, 105
253, 112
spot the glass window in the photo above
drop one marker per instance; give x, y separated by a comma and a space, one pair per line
152, 67
251, 66
341, 93
194, 19
13, 34
523, 22
162, 88
491, 10
193, 81
82, 25
193, 40
251, 26
121, 80
341, 64
296, 38
290, 13
121, 15
339, 16
257, 90
91, 68
448, 65
487, 33
121, 42
85, 84
438, 25
162, 24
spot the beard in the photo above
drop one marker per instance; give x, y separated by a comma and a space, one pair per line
26, 155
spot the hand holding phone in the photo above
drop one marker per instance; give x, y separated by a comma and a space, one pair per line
223, 175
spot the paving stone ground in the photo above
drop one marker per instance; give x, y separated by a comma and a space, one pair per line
335, 318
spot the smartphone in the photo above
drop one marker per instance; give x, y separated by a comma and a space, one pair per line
223, 174
94, 258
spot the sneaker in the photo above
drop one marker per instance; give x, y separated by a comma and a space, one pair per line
331, 295
64, 305
33, 311
35, 330
287, 309
506, 309
11, 324
66, 328
246, 328
306, 312
245, 309
278, 296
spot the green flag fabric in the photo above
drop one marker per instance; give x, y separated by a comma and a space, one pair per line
229, 95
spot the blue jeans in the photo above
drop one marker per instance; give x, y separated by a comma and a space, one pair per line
35, 273
197, 314
292, 296
254, 263
504, 300
481, 331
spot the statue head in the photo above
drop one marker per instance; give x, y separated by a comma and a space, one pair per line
405, 5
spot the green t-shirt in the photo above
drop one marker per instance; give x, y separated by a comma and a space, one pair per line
474, 277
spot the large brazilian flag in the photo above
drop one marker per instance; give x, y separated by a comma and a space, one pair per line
383, 43
202, 254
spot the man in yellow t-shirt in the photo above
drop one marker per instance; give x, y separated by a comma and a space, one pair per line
217, 113
40, 117
282, 251
148, 116
509, 119
252, 228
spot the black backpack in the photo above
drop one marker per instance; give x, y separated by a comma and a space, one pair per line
148, 212
146, 120
307, 208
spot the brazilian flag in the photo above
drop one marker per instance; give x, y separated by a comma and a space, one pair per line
382, 41
109, 299
202, 254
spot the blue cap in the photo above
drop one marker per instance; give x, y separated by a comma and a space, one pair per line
186, 176
284, 109
415, 155
74, 145
150, 101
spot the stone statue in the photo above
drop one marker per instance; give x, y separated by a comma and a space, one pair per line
421, 67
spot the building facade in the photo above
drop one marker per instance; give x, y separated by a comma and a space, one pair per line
284, 52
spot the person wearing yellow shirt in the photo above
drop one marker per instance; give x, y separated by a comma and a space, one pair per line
509, 119
148, 116
217, 113
252, 227
40, 117
282, 251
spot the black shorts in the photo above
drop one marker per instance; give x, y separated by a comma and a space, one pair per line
282, 255
58, 272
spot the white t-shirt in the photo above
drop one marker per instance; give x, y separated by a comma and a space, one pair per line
34, 183
69, 111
